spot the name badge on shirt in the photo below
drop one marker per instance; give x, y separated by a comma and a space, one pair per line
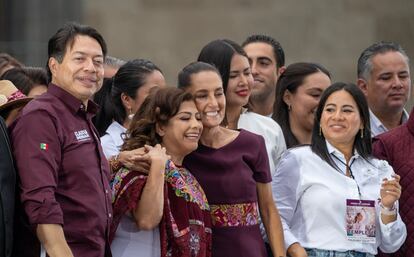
82, 135
360, 220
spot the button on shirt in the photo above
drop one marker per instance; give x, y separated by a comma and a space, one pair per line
311, 198
64, 174
376, 125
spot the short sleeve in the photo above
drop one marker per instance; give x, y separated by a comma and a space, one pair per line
261, 168
37, 152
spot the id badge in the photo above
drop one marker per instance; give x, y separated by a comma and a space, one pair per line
360, 220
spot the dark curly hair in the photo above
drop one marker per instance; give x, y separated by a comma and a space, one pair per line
158, 108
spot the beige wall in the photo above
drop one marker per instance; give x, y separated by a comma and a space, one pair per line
172, 32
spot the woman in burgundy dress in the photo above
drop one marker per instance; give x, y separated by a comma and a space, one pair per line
232, 167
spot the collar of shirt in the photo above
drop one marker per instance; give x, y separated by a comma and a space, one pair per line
334, 151
376, 125
70, 101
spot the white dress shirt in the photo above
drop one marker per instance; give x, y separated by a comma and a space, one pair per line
311, 198
269, 130
112, 141
376, 125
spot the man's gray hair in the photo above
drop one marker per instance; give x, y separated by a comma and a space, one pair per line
365, 59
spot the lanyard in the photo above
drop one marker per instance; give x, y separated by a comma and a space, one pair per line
350, 172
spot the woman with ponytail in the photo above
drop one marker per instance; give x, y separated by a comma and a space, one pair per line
131, 85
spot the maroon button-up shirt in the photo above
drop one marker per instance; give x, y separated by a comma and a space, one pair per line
64, 176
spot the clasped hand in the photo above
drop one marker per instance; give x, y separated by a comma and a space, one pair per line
390, 191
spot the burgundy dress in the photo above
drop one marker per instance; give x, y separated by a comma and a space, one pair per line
228, 176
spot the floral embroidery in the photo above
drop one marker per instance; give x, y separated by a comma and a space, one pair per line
192, 222
195, 241
190, 236
185, 185
116, 183
232, 215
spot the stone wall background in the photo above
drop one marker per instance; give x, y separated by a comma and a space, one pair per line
172, 32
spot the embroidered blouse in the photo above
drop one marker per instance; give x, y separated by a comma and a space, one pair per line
185, 228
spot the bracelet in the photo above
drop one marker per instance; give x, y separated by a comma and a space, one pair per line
388, 211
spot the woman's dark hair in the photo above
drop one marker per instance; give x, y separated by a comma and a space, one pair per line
103, 119
26, 78
219, 53
158, 108
129, 78
291, 79
362, 144
184, 76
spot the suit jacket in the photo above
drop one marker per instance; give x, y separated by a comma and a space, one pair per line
7, 188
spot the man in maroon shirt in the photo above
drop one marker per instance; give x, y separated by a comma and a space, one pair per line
64, 176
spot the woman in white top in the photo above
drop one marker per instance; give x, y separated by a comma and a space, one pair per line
318, 187
131, 85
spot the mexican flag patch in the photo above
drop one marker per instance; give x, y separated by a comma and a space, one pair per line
44, 146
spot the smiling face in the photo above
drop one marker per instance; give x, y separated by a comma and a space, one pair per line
264, 68
240, 81
207, 90
340, 120
180, 136
81, 71
304, 101
388, 86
